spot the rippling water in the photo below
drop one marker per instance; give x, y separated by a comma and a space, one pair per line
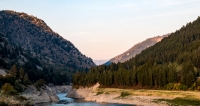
64, 101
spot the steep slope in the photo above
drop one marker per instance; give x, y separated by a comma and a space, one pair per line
33, 35
173, 64
136, 49
10, 55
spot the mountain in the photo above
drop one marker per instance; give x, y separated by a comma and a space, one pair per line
172, 64
136, 49
40, 41
10, 54
100, 62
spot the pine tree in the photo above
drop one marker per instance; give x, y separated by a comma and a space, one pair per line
21, 73
172, 75
188, 77
13, 71
26, 80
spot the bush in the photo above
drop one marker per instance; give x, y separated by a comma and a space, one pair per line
9, 89
39, 83
182, 102
12, 92
22, 98
198, 88
29, 103
3, 103
99, 92
180, 87
183, 87
18, 87
124, 94
169, 86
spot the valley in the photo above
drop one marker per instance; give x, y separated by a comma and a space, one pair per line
94, 58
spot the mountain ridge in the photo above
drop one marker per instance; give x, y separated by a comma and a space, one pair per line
136, 49
35, 36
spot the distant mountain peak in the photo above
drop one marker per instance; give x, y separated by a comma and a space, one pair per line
100, 62
136, 49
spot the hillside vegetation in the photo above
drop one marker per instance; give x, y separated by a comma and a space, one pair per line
28, 43
38, 39
173, 63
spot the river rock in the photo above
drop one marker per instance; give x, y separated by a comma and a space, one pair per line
82, 93
41, 95
60, 89
79, 93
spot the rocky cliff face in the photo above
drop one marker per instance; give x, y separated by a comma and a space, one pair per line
136, 49
83, 92
36, 37
45, 94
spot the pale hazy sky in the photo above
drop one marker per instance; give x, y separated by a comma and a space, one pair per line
102, 29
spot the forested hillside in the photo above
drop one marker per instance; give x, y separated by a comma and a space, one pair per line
28, 43
20, 64
173, 63
37, 38
32, 53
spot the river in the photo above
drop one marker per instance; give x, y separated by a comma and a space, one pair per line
64, 101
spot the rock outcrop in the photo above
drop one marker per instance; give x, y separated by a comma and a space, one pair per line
79, 93
45, 93
2, 72
83, 92
61, 89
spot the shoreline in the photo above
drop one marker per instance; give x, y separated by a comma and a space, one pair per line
134, 97
129, 100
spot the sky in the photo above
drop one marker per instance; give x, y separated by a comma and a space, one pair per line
103, 29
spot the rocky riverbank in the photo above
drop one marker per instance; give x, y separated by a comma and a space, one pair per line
93, 94
135, 100
45, 93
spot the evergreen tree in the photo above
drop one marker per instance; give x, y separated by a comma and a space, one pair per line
13, 71
21, 73
26, 80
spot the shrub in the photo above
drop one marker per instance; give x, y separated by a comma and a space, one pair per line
169, 86
198, 88
182, 102
180, 87
18, 86
39, 83
99, 92
124, 94
9, 89
12, 92
3, 103
22, 98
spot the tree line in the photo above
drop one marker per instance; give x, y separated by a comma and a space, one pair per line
173, 63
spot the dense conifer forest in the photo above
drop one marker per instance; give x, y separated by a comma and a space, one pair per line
173, 64
22, 68
32, 53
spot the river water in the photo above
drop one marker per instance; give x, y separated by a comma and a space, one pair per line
64, 101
